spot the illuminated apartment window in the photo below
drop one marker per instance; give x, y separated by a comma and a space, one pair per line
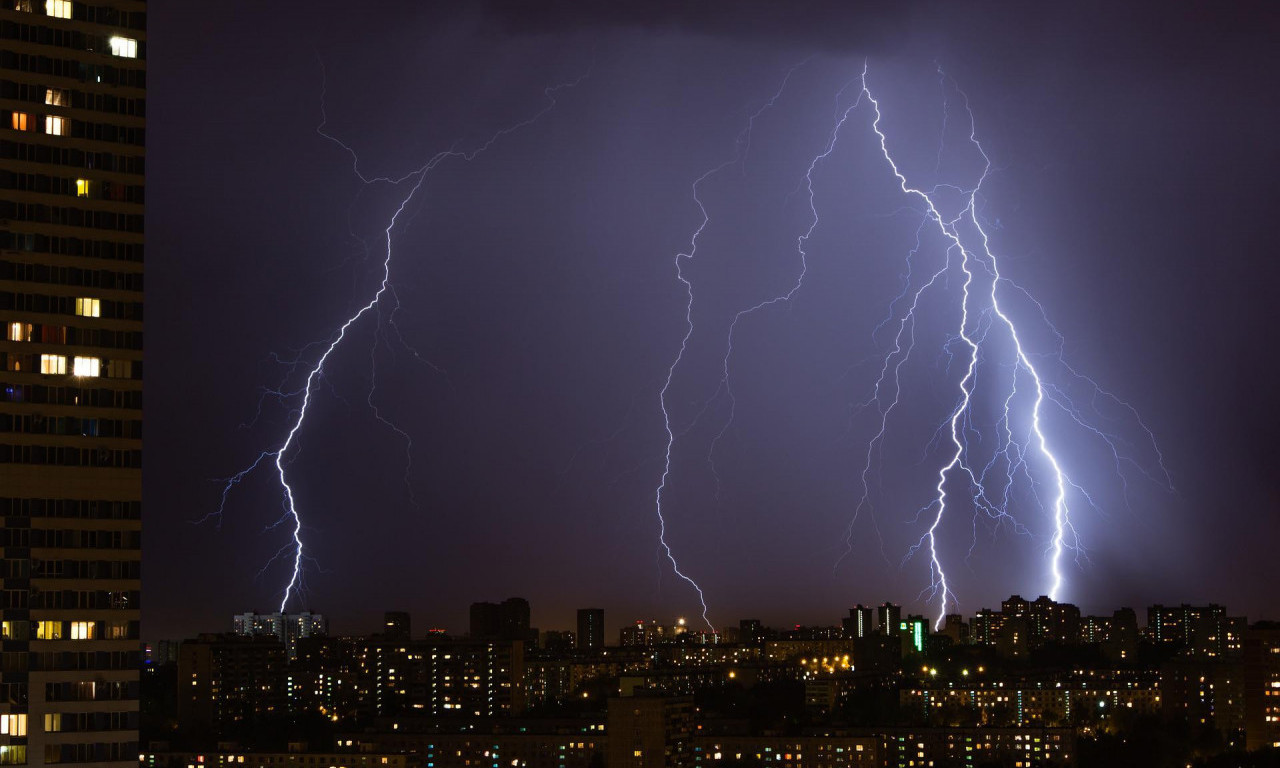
13, 725
52, 722
48, 630
82, 630
86, 366
19, 332
118, 630
56, 97
124, 46
55, 126
20, 121
82, 187
58, 8
53, 364
89, 307
26, 6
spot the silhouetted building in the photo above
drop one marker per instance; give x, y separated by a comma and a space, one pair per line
888, 618
1015, 607
590, 629
986, 626
229, 680
955, 628
559, 642
750, 631
1053, 622
472, 678
508, 620
396, 625
1206, 691
1198, 630
913, 631
650, 731
859, 622
71, 255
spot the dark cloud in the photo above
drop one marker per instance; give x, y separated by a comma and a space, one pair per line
825, 25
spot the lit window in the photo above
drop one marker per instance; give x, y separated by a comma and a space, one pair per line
89, 307
23, 5
53, 364
82, 630
56, 97
55, 126
19, 332
48, 630
82, 187
52, 722
20, 121
124, 46
58, 8
13, 725
86, 366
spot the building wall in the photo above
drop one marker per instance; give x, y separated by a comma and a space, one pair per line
1262, 686
72, 107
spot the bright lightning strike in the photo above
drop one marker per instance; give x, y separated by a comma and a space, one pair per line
285, 452
1021, 424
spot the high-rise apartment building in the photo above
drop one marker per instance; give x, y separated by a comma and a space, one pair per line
859, 622
288, 628
72, 106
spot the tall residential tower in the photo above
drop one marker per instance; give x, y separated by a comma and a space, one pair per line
72, 106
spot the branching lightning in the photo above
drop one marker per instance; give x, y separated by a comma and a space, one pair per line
282, 455
1026, 450
743, 147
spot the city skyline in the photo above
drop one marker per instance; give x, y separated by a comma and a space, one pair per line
540, 277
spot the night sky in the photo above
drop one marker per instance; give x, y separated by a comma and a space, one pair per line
1133, 194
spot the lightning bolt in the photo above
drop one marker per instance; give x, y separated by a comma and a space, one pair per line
741, 150
1026, 397
282, 455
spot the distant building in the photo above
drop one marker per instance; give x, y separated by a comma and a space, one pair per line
230, 680
590, 635
508, 620
1053, 622
225, 759
859, 622
558, 641
396, 625
473, 678
986, 626
954, 627
286, 627
913, 630
1200, 630
903, 747
751, 631
1015, 606
1205, 691
888, 617
650, 732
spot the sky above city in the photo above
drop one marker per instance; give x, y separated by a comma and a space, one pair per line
535, 309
